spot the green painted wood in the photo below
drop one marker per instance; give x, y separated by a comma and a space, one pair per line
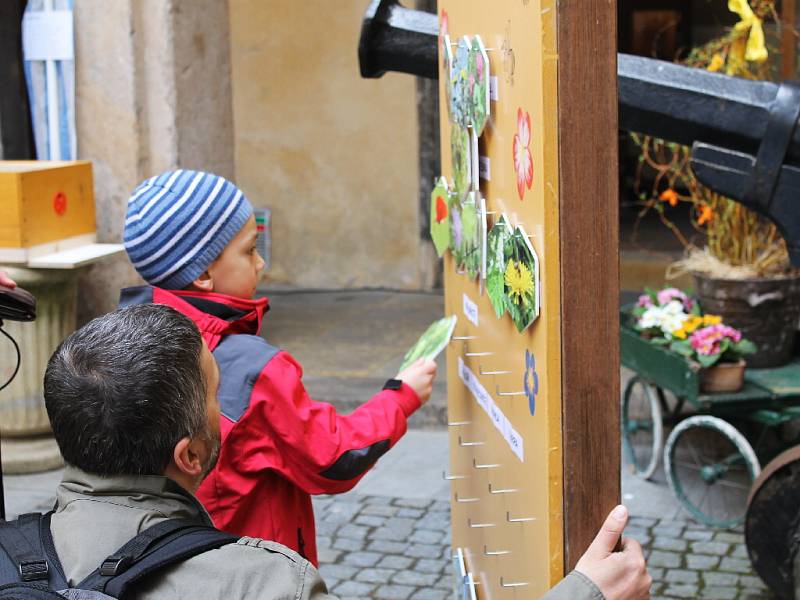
784, 381
659, 366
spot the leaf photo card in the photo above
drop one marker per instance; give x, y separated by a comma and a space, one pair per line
499, 236
462, 161
440, 216
470, 235
432, 342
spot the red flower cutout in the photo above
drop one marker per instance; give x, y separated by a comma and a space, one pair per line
441, 209
60, 203
523, 159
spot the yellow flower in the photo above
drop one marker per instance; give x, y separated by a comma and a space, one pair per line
711, 320
519, 280
717, 62
756, 50
680, 334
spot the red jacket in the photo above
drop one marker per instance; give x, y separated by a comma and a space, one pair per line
278, 445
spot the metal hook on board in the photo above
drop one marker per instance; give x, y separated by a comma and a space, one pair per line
464, 338
515, 584
519, 519
458, 423
505, 491
479, 525
482, 372
487, 552
465, 500
447, 477
464, 444
499, 393
487, 466
478, 353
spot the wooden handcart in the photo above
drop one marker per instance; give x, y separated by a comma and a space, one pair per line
717, 442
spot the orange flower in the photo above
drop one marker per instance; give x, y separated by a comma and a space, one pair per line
706, 214
670, 195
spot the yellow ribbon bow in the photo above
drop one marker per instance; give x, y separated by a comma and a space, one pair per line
756, 50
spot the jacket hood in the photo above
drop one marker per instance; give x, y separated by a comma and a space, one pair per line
216, 315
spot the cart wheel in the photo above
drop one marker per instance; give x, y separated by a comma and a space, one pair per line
710, 467
642, 427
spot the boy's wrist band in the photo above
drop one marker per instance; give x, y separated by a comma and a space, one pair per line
393, 384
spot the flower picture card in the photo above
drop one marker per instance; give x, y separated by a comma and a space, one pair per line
447, 73
498, 237
456, 231
521, 280
479, 85
461, 91
460, 150
440, 216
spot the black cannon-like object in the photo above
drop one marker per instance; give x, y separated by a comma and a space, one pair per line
744, 136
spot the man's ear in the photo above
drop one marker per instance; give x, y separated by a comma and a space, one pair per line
187, 458
204, 283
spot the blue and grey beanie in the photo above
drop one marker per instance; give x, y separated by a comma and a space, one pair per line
179, 222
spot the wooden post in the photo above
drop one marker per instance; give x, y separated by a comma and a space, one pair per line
534, 436
589, 230
788, 39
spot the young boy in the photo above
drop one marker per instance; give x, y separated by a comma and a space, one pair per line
192, 237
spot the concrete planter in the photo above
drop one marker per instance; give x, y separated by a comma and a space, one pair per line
22, 411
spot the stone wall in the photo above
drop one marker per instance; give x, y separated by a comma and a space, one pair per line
152, 93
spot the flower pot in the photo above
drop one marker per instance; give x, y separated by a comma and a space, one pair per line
766, 311
723, 377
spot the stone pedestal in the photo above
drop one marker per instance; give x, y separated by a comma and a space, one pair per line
23, 419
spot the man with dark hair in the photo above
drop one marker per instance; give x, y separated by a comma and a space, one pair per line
132, 399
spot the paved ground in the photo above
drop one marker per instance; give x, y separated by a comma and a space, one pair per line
389, 538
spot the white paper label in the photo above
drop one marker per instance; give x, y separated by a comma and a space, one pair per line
496, 416
470, 310
47, 35
494, 93
483, 168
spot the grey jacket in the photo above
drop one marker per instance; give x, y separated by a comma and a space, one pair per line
96, 515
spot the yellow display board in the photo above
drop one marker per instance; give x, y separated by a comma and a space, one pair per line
505, 387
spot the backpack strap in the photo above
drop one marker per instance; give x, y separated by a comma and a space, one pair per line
21, 541
155, 548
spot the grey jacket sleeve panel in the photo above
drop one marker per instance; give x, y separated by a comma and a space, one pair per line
575, 586
251, 569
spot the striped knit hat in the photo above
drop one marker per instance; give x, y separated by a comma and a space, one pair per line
179, 222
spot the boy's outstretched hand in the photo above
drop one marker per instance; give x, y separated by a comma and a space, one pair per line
622, 574
419, 376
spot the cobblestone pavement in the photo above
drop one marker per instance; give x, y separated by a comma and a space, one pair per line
384, 547
687, 560
398, 548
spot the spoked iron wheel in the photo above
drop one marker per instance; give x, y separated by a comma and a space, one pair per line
710, 467
642, 427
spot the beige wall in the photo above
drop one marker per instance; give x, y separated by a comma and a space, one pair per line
333, 155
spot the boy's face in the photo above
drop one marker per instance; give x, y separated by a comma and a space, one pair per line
235, 272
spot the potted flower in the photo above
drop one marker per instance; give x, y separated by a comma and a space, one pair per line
738, 259
672, 318
720, 350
